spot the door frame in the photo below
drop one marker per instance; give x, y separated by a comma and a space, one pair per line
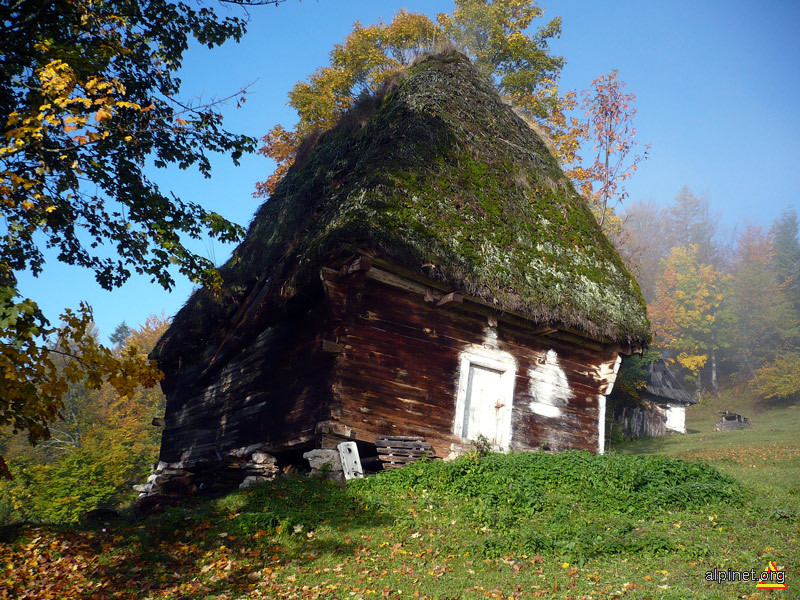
497, 360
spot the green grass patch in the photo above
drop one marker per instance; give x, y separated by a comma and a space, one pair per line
574, 504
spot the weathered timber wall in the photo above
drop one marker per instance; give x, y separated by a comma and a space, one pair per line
647, 420
273, 391
399, 371
378, 355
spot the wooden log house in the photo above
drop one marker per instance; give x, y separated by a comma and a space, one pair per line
661, 406
426, 270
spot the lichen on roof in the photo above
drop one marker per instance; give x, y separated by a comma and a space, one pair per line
661, 385
436, 170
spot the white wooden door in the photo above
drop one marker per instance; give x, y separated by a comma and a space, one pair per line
485, 408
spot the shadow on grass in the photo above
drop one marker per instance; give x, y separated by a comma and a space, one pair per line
762, 405
206, 546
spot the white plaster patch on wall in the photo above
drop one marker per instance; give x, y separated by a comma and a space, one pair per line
490, 337
601, 406
549, 387
601, 424
676, 418
545, 410
612, 377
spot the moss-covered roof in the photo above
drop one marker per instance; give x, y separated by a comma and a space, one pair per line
438, 170
662, 385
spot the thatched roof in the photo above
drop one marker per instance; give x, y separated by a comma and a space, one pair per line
662, 385
436, 171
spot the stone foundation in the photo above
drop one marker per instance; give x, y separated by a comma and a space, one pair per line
241, 467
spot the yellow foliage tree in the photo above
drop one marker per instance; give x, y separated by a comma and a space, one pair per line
104, 445
37, 376
87, 96
685, 313
780, 378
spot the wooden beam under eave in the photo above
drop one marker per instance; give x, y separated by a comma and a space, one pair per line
362, 263
330, 347
543, 330
393, 274
468, 305
450, 299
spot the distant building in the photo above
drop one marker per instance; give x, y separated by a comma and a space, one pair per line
662, 405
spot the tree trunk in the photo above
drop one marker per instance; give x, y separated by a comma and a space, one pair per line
714, 386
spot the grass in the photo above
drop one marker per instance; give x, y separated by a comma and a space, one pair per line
639, 523
766, 457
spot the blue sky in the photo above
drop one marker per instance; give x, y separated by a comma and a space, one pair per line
716, 83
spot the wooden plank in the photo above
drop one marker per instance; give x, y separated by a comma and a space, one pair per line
382, 443
331, 347
580, 338
408, 455
450, 299
391, 458
407, 275
404, 450
400, 283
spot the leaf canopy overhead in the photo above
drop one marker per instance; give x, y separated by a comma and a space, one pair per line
89, 95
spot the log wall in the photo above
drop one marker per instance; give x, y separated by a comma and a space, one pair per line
647, 420
399, 370
272, 392
380, 355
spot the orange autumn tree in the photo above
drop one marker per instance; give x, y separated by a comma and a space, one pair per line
686, 311
495, 34
103, 445
610, 113
368, 57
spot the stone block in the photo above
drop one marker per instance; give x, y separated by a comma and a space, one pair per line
263, 458
323, 459
250, 480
